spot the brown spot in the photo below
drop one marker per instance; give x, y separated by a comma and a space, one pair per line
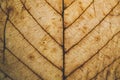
97, 38
55, 13
80, 3
37, 5
53, 18
90, 16
65, 6
29, 8
44, 42
61, 67
104, 13
47, 27
9, 9
66, 14
23, 8
84, 30
22, 17
31, 57
81, 18
54, 50
107, 56
65, 23
44, 49
40, 18
60, 19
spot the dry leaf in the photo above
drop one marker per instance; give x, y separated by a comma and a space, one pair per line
59, 40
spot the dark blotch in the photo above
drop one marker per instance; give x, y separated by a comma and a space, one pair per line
31, 57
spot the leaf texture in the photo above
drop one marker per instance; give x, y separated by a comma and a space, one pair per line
59, 40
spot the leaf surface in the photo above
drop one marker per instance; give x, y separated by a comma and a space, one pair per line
59, 39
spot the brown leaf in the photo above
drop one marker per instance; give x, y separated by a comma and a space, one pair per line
59, 39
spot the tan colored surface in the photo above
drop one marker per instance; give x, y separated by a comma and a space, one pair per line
35, 36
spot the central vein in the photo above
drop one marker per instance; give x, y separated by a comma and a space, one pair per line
63, 45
